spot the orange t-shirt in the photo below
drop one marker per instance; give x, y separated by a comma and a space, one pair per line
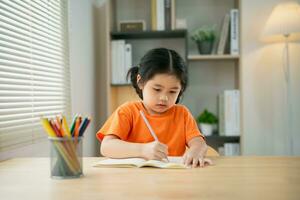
174, 128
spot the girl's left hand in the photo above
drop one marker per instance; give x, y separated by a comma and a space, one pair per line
195, 157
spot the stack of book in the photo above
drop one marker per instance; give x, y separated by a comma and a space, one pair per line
229, 113
121, 61
229, 34
162, 15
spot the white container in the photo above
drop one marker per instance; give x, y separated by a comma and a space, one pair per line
206, 129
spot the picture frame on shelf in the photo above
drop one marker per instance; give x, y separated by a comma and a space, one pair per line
131, 25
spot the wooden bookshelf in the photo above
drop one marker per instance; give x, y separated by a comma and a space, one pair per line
121, 85
149, 34
209, 75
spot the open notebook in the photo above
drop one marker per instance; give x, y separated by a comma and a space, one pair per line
174, 163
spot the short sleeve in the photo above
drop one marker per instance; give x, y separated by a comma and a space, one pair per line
118, 124
191, 128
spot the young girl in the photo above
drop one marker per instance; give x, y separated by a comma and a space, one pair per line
160, 80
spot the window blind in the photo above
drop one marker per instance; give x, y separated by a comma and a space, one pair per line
34, 68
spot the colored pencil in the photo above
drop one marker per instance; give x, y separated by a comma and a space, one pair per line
84, 125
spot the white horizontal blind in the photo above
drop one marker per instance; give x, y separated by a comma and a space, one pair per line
34, 68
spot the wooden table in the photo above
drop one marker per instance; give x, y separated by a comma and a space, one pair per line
231, 178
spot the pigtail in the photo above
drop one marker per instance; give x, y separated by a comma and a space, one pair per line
132, 75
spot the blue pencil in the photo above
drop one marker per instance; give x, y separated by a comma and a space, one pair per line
84, 125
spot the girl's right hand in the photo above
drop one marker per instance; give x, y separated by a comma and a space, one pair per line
155, 151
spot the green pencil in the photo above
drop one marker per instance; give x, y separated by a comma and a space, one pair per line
73, 124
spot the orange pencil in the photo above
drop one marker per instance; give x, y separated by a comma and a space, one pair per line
59, 124
77, 124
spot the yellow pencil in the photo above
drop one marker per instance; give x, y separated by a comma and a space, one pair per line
48, 127
69, 145
65, 127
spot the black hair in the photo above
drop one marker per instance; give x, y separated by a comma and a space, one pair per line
159, 61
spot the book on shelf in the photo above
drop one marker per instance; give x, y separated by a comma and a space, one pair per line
128, 59
114, 46
231, 149
121, 61
234, 32
229, 113
229, 34
173, 16
162, 15
153, 15
174, 163
223, 38
167, 14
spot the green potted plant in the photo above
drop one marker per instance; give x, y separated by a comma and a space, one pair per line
207, 121
204, 37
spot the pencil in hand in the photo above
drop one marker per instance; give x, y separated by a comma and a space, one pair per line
150, 129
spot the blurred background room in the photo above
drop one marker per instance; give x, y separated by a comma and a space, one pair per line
71, 56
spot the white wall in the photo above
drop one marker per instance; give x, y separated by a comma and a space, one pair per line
265, 122
83, 70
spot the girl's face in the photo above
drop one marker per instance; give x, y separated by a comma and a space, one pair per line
160, 93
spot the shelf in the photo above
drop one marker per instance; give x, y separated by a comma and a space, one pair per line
121, 85
149, 34
213, 57
222, 139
